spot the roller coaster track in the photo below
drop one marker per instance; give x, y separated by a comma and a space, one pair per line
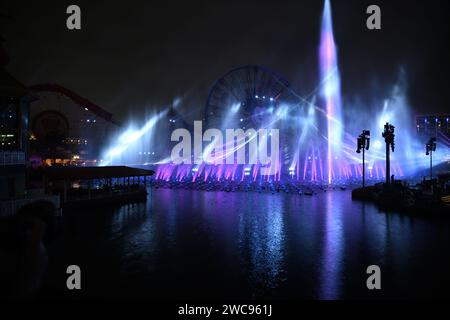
79, 100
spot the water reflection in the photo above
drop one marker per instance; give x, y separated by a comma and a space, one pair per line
188, 244
261, 242
332, 251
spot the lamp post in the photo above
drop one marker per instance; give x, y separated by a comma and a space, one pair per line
362, 143
430, 147
388, 135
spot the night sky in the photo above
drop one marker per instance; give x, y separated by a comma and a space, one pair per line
130, 55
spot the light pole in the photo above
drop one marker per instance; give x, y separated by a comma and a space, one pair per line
362, 143
430, 147
388, 135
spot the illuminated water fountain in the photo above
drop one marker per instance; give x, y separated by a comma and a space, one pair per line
317, 133
331, 92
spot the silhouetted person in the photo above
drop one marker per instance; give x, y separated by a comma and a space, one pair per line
23, 254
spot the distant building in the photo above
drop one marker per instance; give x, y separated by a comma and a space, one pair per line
14, 108
433, 125
67, 129
15, 102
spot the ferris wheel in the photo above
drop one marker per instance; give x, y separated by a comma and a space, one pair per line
248, 93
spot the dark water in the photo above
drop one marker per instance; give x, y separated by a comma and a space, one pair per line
195, 244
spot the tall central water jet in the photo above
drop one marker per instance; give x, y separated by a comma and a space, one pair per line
331, 90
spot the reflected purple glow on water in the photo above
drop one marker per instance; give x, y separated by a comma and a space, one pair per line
193, 244
332, 250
